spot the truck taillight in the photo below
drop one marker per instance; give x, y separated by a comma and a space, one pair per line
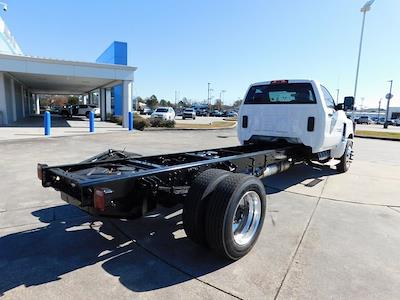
40, 170
279, 81
101, 198
245, 121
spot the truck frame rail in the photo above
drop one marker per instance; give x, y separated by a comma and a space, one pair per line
130, 185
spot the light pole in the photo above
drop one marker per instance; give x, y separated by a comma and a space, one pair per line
364, 9
337, 96
221, 93
208, 94
379, 110
388, 97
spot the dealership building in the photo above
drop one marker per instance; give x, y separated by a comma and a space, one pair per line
107, 82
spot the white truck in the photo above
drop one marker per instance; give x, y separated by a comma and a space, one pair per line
299, 112
281, 123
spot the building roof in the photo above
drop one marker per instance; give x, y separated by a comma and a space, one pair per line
55, 76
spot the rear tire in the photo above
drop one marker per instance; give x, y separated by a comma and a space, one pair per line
235, 215
87, 114
195, 204
345, 161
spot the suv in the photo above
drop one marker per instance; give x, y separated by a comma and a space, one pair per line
84, 110
364, 120
164, 113
189, 113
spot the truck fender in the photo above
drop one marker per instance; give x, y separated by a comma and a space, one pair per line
338, 151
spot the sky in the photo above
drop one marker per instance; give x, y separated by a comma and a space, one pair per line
182, 45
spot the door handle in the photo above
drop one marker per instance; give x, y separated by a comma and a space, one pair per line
330, 114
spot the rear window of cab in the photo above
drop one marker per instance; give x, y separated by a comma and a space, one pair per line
286, 93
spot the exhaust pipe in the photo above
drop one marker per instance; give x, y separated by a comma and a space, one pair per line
276, 168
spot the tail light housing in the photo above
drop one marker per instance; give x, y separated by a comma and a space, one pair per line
102, 198
245, 121
40, 170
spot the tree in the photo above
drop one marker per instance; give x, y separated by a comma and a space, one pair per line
152, 102
237, 103
163, 102
73, 100
184, 102
218, 104
140, 99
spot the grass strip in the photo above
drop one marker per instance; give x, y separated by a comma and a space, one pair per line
378, 134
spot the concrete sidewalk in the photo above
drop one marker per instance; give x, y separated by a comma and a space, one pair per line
32, 127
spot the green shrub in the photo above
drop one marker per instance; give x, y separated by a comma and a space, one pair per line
140, 123
116, 119
162, 123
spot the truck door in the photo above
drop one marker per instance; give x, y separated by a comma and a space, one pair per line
334, 124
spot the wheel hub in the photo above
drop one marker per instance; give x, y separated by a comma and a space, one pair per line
246, 218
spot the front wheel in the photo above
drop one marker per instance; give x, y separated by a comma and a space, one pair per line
344, 165
235, 215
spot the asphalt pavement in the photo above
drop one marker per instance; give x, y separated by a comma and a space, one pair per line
326, 235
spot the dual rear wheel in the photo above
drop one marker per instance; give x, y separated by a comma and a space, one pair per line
225, 212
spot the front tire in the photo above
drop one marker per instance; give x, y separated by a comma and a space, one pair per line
345, 161
235, 215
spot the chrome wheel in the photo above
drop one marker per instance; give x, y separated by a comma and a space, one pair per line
246, 218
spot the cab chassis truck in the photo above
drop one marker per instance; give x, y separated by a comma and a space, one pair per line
224, 200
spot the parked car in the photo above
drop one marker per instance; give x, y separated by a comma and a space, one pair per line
202, 112
216, 113
189, 113
232, 114
55, 109
85, 109
178, 112
67, 111
146, 111
165, 113
364, 120
396, 122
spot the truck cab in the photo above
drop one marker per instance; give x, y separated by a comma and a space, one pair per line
298, 112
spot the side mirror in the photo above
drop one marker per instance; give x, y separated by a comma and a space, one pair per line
348, 103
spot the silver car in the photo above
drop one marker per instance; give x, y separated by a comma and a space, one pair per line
189, 113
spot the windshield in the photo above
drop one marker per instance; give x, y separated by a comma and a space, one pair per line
162, 110
287, 93
189, 109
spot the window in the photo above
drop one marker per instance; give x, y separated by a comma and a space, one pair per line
163, 110
286, 93
328, 98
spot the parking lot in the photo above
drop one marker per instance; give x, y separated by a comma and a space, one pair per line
325, 235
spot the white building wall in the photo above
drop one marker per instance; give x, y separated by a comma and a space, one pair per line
11, 100
3, 110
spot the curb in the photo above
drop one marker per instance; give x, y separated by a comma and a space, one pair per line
202, 129
376, 138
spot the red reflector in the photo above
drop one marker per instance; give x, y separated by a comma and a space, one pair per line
279, 81
40, 170
99, 199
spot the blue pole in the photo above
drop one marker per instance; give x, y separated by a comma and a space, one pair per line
91, 121
130, 121
47, 123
